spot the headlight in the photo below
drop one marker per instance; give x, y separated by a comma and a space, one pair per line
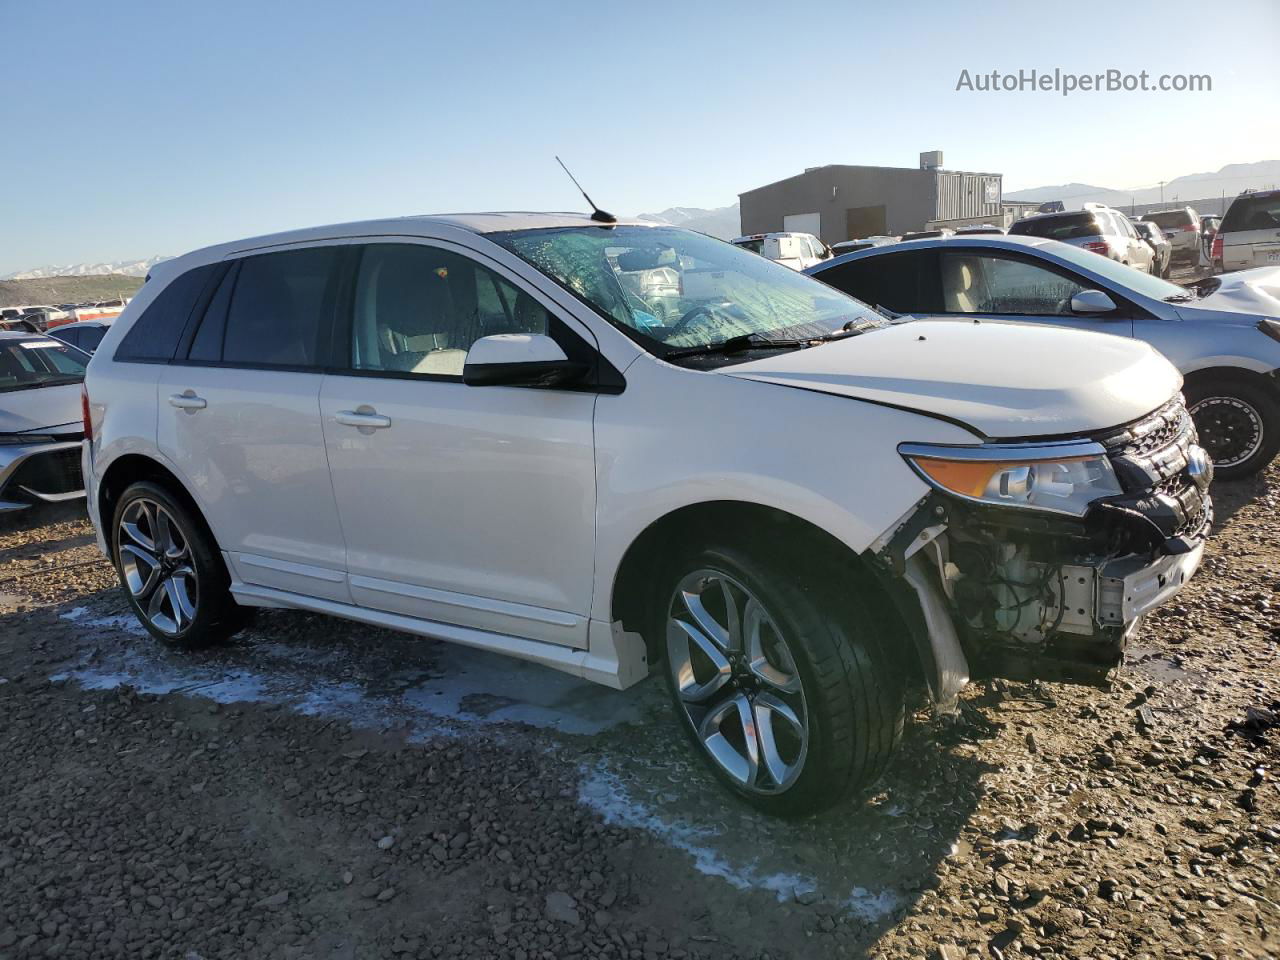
1060, 478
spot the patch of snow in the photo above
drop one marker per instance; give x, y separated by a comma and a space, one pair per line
466, 686
603, 791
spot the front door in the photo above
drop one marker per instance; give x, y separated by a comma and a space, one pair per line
473, 506
976, 283
239, 418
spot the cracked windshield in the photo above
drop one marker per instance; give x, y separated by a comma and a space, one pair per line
675, 289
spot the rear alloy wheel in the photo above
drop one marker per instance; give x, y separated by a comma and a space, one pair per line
156, 563
171, 570
790, 706
1238, 425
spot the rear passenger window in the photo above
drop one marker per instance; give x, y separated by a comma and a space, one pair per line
154, 336
272, 310
418, 309
902, 282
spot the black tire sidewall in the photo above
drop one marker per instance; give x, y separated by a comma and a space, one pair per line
806, 622
1263, 403
213, 597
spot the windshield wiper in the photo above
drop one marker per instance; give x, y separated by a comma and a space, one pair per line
738, 344
47, 382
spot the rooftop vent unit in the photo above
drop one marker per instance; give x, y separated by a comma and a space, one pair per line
931, 160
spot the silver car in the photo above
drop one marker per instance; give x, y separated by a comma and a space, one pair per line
40, 420
1096, 228
1223, 333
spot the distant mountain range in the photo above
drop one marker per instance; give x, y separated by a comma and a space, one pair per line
1228, 181
726, 222
722, 222
128, 268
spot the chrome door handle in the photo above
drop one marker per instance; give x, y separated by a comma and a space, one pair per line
363, 416
187, 400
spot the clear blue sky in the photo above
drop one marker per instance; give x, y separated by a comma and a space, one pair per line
140, 127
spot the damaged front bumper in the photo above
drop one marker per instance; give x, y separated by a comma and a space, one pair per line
993, 592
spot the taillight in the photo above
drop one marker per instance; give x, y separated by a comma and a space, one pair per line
1189, 228
1216, 252
1097, 246
84, 412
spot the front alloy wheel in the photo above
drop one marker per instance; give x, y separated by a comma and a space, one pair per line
778, 671
737, 682
157, 566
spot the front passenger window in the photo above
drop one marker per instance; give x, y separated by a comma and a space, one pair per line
995, 285
418, 309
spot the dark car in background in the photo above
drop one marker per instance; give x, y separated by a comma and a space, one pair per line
1154, 237
86, 334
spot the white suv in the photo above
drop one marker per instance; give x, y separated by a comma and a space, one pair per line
476, 428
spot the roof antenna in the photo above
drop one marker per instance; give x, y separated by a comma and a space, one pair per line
600, 216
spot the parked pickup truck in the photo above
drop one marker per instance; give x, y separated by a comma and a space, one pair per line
790, 506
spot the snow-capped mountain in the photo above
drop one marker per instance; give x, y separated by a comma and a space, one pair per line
722, 222
130, 268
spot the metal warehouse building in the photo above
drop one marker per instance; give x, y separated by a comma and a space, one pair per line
840, 202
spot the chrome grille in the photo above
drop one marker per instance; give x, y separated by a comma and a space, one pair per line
1169, 425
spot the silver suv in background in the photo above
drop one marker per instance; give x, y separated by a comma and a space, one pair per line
1100, 229
1250, 232
1182, 227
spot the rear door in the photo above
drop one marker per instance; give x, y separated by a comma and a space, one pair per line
1251, 232
239, 419
470, 506
903, 282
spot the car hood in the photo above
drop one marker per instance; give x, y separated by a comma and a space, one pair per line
40, 408
1255, 292
1001, 380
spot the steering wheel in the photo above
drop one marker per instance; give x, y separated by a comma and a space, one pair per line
703, 310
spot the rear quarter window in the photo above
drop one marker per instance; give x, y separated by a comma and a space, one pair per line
154, 336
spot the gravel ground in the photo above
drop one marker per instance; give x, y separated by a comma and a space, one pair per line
322, 789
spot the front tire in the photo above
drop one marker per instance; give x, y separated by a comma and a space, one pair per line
170, 569
778, 680
1238, 424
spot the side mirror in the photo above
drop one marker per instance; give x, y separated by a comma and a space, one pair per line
1090, 301
519, 360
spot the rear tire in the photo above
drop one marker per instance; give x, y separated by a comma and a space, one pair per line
1238, 424
788, 698
171, 571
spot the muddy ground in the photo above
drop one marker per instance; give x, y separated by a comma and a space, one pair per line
321, 789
